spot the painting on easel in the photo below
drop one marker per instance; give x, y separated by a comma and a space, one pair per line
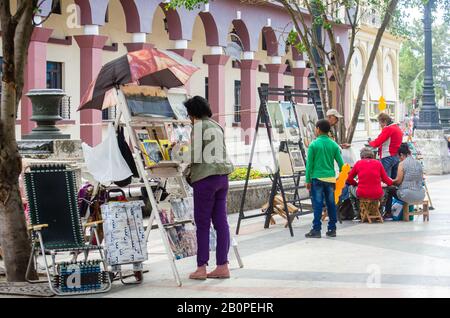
307, 116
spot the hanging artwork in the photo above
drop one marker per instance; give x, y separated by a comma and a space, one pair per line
148, 101
276, 119
166, 213
290, 120
183, 209
307, 116
182, 239
179, 133
295, 154
176, 101
151, 152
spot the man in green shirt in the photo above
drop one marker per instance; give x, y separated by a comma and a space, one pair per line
321, 178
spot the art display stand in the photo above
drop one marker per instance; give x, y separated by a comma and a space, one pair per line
279, 189
159, 174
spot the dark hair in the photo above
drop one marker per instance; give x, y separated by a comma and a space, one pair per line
404, 150
198, 107
385, 118
324, 126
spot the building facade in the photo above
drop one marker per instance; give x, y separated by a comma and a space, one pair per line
68, 50
383, 79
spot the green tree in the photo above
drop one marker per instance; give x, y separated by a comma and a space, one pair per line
412, 60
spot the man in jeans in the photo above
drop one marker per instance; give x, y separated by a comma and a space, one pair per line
321, 178
388, 143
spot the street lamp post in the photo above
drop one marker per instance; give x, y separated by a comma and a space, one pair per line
429, 113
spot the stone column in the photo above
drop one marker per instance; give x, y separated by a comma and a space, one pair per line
139, 43
301, 81
216, 84
249, 109
35, 74
276, 74
91, 50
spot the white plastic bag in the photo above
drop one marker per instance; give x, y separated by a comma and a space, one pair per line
348, 155
105, 161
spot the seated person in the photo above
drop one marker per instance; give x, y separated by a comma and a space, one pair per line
370, 173
409, 180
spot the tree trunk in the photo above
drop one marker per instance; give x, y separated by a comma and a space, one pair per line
341, 109
362, 87
13, 233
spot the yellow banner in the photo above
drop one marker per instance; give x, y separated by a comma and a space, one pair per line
382, 104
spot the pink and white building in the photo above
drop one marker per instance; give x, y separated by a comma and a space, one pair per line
71, 46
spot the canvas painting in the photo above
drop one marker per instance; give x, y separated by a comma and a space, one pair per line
277, 120
179, 133
298, 163
183, 209
183, 240
142, 134
290, 121
307, 116
177, 100
166, 213
152, 152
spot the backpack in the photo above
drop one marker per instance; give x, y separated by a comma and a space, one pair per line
345, 210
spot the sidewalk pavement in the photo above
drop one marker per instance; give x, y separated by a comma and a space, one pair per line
394, 259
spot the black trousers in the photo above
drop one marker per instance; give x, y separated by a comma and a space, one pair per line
391, 192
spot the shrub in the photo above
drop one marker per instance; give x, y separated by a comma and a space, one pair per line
241, 173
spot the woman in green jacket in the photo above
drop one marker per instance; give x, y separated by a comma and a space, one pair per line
210, 168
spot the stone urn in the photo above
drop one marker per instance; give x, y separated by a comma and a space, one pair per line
46, 103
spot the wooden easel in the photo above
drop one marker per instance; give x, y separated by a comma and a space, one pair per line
278, 188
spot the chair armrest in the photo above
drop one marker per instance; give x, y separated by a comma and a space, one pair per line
38, 227
93, 224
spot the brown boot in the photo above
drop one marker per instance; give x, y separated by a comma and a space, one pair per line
199, 274
221, 272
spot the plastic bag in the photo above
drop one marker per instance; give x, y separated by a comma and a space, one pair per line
348, 155
105, 161
397, 209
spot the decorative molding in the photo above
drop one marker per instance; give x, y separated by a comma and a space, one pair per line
67, 41
111, 48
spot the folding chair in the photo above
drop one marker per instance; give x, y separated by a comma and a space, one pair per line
56, 228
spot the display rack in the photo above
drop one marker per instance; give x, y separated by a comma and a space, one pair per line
160, 173
278, 188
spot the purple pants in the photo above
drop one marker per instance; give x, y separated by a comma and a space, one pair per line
210, 204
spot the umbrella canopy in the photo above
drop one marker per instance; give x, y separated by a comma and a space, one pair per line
152, 67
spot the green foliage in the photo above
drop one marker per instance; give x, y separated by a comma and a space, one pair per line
188, 4
241, 173
412, 60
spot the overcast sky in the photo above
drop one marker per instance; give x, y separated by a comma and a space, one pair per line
417, 13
